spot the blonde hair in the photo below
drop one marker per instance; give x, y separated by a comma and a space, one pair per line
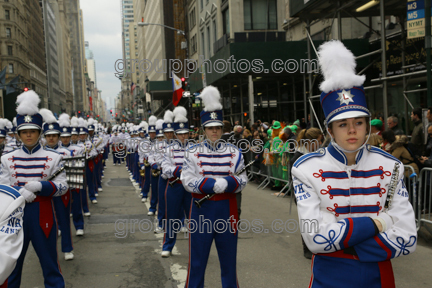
309, 134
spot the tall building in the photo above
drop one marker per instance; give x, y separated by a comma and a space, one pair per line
66, 61
91, 64
36, 51
128, 44
49, 11
14, 46
80, 95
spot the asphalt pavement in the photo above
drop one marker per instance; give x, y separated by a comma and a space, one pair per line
120, 250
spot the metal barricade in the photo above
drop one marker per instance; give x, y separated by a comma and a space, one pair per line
424, 210
411, 182
75, 172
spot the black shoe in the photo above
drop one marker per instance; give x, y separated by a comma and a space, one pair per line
276, 188
307, 254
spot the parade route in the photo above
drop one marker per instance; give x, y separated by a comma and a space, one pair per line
265, 258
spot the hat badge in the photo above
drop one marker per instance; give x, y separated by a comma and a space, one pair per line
73, 129
213, 115
181, 125
345, 97
81, 129
28, 119
169, 125
51, 126
64, 129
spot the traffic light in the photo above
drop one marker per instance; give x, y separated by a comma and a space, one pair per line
183, 83
245, 114
88, 116
79, 112
25, 89
111, 111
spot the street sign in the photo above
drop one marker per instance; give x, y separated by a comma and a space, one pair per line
140, 111
415, 19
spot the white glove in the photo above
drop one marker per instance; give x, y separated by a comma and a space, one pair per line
164, 176
143, 168
28, 196
220, 185
33, 186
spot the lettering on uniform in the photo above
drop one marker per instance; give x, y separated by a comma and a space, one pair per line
299, 190
403, 193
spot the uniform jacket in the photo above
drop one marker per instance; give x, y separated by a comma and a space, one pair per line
11, 234
204, 163
172, 160
341, 199
22, 166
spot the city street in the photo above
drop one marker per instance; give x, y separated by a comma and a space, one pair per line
265, 259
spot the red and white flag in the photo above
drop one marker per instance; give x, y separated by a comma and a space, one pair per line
178, 90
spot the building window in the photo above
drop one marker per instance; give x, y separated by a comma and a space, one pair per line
260, 14
226, 23
208, 42
11, 69
203, 44
202, 5
192, 20
7, 15
214, 31
8, 33
10, 52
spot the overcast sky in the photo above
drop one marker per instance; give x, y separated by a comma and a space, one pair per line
102, 29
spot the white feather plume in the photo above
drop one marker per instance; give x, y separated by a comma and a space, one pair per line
9, 124
91, 121
168, 116
338, 67
28, 103
144, 125
123, 125
180, 114
47, 115
211, 99
64, 120
14, 122
74, 122
159, 124
3, 123
152, 120
82, 123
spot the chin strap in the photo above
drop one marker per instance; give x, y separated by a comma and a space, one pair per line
345, 150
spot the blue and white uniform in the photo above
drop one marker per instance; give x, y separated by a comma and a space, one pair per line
176, 197
341, 200
18, 168
11, 232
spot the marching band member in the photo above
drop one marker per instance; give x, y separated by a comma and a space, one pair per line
12, 143
209, 168
154, 167
77, 151
27, 170
90, 155
11, 234
143, 149
51, 132
168, 131
343, 188
114, 143
176, 197
75, 141
96, 147
3, 135
148, 172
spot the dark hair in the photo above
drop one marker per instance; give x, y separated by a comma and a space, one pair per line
418, 112
388, 135
227, 127
430, 109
